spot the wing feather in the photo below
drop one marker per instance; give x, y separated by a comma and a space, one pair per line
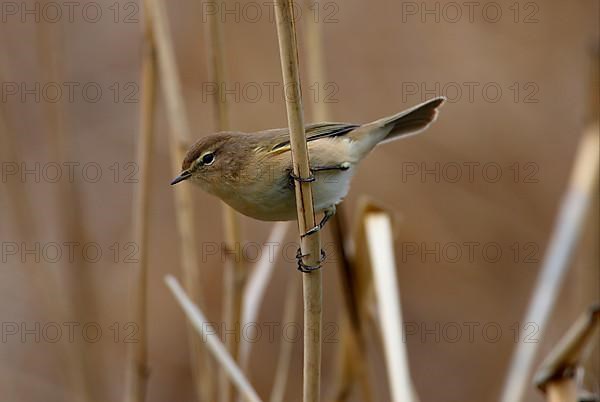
314, 132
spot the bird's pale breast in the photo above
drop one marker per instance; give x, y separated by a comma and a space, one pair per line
269, 193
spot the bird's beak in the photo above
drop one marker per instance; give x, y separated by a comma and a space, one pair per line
182, 176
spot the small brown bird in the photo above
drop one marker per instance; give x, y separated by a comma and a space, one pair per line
253, 172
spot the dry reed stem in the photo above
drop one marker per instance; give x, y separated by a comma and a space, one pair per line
316, 74
53, 302
310, 245
73, 285
256, 286
365, 292
233, 284
138, 371
212, 342
564, 390
179, 134
569, 225
284, 361
380, 241
353, 360
344, 367
234, 277
315, 63
16, 194
573, 348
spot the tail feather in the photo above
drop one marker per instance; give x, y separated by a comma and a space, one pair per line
411, 121
408, 122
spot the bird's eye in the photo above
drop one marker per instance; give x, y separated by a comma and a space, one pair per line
208, 158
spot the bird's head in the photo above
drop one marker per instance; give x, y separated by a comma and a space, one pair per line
214, 161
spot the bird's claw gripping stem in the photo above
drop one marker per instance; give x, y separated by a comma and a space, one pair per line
327, 214
342, 166
302, 267
309, 179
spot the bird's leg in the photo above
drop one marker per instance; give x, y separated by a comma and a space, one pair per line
341, 166
311, 178
327, 214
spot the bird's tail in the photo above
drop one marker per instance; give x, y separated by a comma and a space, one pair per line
411, 121
408, 122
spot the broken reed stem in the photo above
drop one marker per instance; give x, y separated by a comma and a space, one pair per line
380, 242
564, 390
570, 352
353, 362
234, 276
212, 342
179, 134
310, 245
317, 76
138, 371
569, 225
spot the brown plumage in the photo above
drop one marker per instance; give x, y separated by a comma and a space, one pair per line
251, 172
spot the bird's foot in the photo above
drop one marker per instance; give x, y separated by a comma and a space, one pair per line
302, 267
309, 179
327, 214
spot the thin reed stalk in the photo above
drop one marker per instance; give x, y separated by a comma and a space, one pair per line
15, 192
315, 63
53, 297
310, 245
380, 241
284, 361
256, 287
73, 283
26, 229
214, 345
316, 73
138, 371
234, 277
344, 364
569, 225
179, 135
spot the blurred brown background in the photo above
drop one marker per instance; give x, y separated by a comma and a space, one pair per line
381, 57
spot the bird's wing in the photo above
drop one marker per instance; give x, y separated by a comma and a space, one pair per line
281, 142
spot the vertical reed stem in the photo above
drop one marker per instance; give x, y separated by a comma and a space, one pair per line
234, 276
310, 245
179, 134
74, 284
285, 350
321, 112
15, 192
137, 374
